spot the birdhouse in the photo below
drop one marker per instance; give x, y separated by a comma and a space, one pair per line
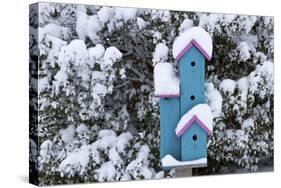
191, 49
193, 130
185, 119
167, 89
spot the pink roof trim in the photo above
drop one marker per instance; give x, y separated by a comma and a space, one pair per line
197, 45
189, 123
167, 96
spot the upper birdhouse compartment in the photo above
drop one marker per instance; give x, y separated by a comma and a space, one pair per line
166, 81
195, 36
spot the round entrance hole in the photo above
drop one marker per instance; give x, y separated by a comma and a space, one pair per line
194, 137
192, 63
192, 97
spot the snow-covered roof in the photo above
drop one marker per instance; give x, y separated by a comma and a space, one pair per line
195, 36
170, 161
200, 113
165, 80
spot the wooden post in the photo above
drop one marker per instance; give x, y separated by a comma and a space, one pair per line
183, 172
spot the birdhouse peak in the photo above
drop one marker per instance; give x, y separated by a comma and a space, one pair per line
201, 114
195, 36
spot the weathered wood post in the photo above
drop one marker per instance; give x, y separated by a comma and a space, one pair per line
185, 121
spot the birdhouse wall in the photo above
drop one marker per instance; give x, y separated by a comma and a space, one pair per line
192, 78
169, 117
193, 143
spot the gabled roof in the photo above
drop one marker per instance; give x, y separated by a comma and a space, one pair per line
195, 36
201, 114
166, 81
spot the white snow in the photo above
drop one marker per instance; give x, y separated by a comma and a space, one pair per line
163, 15
228, 86
93, 27
243, 85
170, 161
106, 132
122, 73
105, 14
67, 134
51, 47
55, 31
160, 54
248, 123
214, 99
123, 141
195, 33
111, 55
263, 73
108, 139
96, 52
186, 24
82, 128
141, 23
203, 113
125, 13
76, 52
98, 76
46, 148
244, 51
81, 22
159, 175
139, 166
43, 83
76, 161
165, 80
106, 172
114, 156
99, 90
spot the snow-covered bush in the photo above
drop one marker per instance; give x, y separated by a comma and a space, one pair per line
98, 116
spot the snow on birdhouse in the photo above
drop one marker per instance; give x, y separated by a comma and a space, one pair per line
201, 114
195, 36
170, 161
165, 80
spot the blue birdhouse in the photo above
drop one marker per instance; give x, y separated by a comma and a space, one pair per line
185, 119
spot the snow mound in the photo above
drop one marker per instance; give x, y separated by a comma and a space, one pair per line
214, 99
198, 37
200, 113
96, 52
112, 54
170, 161
244, 51
125, 13
55, 31
67, 134
186, 24
165, 80
105, 14
228, 85
160, 54
75, 162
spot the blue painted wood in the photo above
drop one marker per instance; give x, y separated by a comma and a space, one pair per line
194, 149
192, 79
169, 117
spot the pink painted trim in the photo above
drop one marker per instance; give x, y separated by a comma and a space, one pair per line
167, 96
189, 123
197, 45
